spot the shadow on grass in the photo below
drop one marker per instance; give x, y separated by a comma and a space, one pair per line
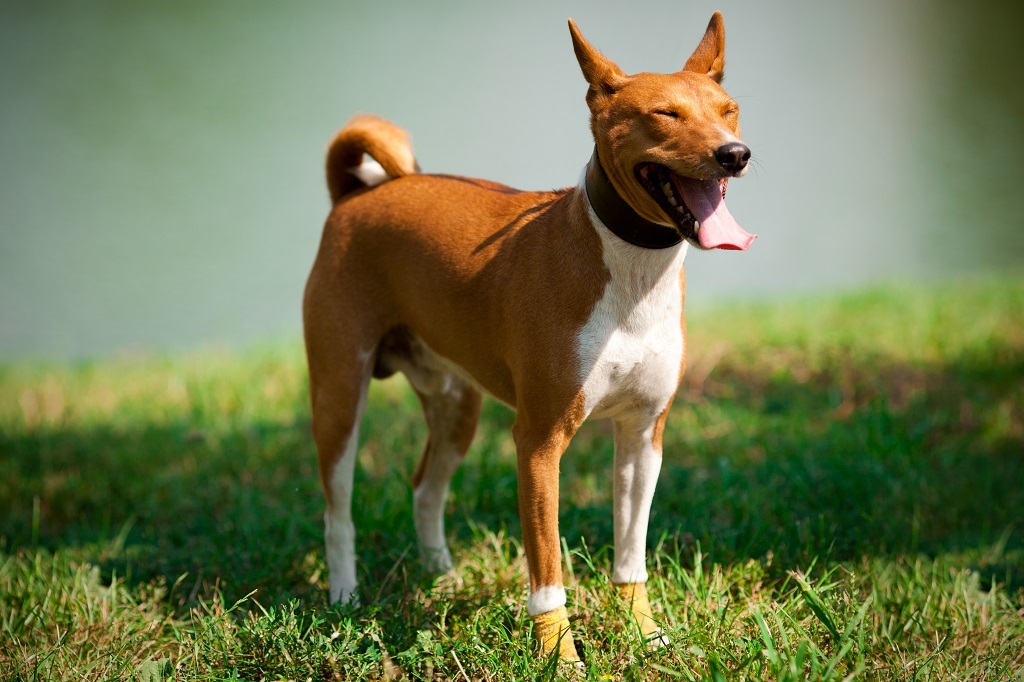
854, 458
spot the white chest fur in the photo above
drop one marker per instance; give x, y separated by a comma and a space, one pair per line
631, 348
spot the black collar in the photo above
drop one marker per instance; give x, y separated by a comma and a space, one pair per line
619, 217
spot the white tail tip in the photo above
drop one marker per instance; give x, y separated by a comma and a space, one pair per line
370, 173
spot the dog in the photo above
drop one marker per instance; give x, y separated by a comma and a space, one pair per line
564, 305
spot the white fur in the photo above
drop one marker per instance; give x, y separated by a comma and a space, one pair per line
370, 172
631, 347
428, 508
637, 465
428, 515
545, 599
631, 350
339, 531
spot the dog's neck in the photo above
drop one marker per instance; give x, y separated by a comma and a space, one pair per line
618, 216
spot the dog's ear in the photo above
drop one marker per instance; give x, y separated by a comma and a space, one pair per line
709, 57
604, 75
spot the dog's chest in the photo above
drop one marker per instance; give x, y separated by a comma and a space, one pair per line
631, 348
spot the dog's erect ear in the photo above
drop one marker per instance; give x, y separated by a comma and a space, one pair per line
709, 57
604, 75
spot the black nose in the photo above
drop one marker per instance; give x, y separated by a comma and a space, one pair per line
733, 156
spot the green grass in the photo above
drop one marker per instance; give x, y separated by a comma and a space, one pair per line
842, 498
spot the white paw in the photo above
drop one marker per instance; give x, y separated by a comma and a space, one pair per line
345, 595
436, 559
573, 670
657, 640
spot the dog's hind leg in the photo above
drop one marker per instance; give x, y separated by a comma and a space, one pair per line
336, 420
340, 367
452, 414
336, 431
451, 406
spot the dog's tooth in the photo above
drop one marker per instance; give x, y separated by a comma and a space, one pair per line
672, 201
696, 226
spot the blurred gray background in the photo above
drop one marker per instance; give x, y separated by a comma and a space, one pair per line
161, 181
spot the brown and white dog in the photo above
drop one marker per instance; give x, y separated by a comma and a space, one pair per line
564, 305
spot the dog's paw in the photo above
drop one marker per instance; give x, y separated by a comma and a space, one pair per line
436, 560
657, 640
572, 670
345, 596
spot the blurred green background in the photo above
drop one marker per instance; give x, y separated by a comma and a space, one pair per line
161, 179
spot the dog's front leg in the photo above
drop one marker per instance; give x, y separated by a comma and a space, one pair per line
539, 449
637, 465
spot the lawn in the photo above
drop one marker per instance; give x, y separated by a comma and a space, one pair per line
842, 497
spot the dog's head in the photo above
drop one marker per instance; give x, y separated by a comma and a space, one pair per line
670, 142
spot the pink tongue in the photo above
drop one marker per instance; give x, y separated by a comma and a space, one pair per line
718, 229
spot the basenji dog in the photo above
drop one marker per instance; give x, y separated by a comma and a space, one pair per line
564, 305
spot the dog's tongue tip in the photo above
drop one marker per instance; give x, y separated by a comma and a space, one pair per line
716, 233
718, 229
742, 246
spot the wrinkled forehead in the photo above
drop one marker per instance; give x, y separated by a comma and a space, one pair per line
681, 89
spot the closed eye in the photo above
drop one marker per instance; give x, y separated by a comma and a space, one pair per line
668, 113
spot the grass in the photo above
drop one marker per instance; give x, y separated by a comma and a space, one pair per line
842, 498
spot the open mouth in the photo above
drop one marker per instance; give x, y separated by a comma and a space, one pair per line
696, 207
663, 186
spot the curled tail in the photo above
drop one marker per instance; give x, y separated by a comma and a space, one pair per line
388, 144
